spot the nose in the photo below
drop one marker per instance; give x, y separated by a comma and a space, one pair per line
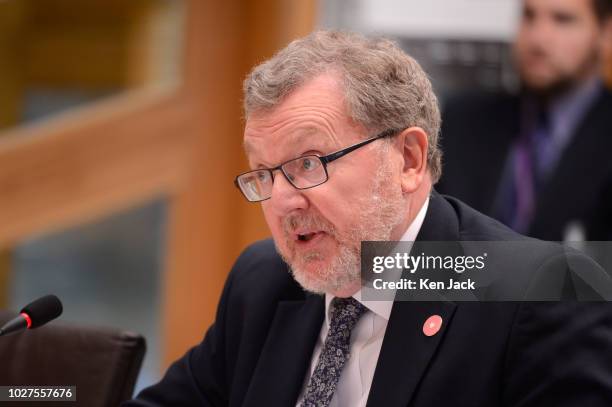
285, 197
541, 34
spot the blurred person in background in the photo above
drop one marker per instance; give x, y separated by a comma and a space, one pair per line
539, 161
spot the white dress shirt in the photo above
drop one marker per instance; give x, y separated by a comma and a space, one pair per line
366, 341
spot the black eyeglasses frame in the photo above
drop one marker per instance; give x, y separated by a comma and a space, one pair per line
326, 159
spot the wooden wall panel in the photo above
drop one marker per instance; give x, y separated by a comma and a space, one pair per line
70, 43
5, 264
201, 220
210, 222
91, 164
11, 24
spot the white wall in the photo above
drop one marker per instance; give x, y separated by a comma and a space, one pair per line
465, 19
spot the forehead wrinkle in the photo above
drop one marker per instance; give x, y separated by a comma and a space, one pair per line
304, 113
322, 115
293, 137
296, 129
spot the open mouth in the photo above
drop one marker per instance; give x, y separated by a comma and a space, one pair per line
307, 237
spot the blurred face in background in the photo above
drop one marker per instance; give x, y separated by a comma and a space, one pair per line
558, 44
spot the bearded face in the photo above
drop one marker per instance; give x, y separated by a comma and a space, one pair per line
318, 231
321, 270
557, 44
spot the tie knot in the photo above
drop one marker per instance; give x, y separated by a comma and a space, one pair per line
345, 313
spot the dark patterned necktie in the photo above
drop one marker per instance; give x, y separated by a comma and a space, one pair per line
322, 384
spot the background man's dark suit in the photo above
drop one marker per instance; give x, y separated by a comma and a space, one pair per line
477, 133
486, 354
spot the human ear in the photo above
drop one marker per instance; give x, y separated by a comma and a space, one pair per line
414, 148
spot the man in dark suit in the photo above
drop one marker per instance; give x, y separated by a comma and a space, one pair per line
539, 160
341, 136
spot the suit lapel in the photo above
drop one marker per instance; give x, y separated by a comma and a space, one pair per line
286, 355
587, 153
440, 223
492, 151
406, 351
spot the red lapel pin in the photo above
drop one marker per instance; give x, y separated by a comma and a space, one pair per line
432, 325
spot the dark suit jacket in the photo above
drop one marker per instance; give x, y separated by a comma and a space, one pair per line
486, 354
477, 133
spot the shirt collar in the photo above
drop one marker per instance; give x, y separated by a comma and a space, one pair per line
568, 110
383, 308
564, 112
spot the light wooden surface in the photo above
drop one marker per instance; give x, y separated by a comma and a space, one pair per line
11, 75
5, 264
183, 142
84, 166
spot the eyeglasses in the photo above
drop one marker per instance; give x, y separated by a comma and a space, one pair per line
303, 172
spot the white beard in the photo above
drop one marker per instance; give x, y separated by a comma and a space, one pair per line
380, 213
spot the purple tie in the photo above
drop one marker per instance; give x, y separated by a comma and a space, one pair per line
524, 188
529, 163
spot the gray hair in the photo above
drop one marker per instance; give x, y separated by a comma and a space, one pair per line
384, 87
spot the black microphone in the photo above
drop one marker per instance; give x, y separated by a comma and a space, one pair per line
33, 315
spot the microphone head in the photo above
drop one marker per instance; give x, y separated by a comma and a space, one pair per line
43, 310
